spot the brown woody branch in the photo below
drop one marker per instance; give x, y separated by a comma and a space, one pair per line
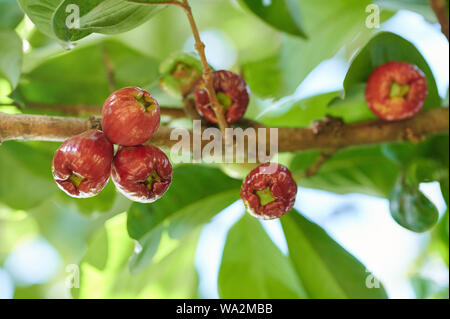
440, 9
435, 121
82, 109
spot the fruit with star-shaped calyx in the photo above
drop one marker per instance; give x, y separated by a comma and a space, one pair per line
232, 93
82, 164
130, 116
396, 91
269, 191
142, 173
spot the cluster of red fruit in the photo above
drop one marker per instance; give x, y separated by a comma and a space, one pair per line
83, 164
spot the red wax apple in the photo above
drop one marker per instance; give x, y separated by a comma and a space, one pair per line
82, 164
142, 173
232, 93
396, 91
130, 116
269, 191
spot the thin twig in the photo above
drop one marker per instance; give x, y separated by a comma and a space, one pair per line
324, 156
207, 72
441, 11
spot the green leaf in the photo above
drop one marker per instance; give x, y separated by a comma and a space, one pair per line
254, 268
10, 56
301, 113
26, 177
385, 47
10, 14
95, 16
50, 83
355, 170
173, 276
420, 6
283, 15
191, 201
410, 208
330, 25
325, 269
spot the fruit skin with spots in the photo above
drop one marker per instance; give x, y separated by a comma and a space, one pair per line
232, 93
269, 191
142, 173
130, 116
396, 91
82, 164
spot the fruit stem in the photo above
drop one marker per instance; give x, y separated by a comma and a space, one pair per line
76, 179
207, 72
398, 90
265, 196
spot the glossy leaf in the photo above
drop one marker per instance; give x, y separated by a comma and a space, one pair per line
74, 20
325, 269
191, 201
253, 267
283, 15
355, 170
410, 208
10, 56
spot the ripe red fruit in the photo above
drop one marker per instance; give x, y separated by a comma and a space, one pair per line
142, 173
232, 93
130, 116
82, 164
269, 191
396, 91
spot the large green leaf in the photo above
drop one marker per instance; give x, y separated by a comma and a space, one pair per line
329, 24
192, 200
79, 76
381, 49
355, 170
26, 177
254, 268
282, 14
107, 275
10, 14
10, 56
99, 16
325, 269
301, 113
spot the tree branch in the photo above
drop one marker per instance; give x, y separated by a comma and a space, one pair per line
82, 109
52, 128
440, 9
